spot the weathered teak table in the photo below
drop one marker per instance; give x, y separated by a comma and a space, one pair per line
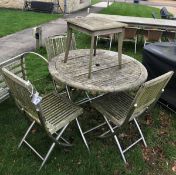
106, 75
140, 22
94, 27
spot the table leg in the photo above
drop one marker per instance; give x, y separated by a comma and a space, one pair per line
120, 43
91, 55
95, 45
68, 44
107, 3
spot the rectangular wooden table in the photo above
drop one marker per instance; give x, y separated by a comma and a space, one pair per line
139, 21
94, 27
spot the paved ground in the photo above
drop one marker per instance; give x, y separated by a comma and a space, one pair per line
22, 41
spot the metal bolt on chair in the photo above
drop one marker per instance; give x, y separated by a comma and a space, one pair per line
120, 108
130, 35
152, 35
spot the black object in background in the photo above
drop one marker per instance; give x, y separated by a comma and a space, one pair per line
42, 6
159, 58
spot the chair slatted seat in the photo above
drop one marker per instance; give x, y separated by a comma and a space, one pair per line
114, 105
120, 108
58, 111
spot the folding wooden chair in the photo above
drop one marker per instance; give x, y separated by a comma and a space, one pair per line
120, 108
152, 35
130, 35
51, 112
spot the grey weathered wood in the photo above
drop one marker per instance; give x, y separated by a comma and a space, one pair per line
139, 21
106, 74
94, 27
91, 55
69, 37
120, 45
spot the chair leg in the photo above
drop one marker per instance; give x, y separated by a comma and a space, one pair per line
110, 42
144, 43
52, 147
26, 134
97, 40
116, 140
82, 134
49, 151
139, 129
135, 43
68, 92
106, 132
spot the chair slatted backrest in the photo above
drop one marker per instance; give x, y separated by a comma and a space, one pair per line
130, 33
21, 91
154, 35
4, 94
171, 35
148, 94
56, 45
17, 66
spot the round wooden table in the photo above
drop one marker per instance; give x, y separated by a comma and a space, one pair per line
106, 74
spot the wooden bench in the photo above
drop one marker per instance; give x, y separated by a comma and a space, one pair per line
39, 6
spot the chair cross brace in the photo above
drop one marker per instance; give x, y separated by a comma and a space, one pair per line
43, 158
118, 143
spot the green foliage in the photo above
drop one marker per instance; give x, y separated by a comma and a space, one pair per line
95, 1
128, 9
15, 20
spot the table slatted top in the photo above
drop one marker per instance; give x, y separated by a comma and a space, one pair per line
95, 23
106, 74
